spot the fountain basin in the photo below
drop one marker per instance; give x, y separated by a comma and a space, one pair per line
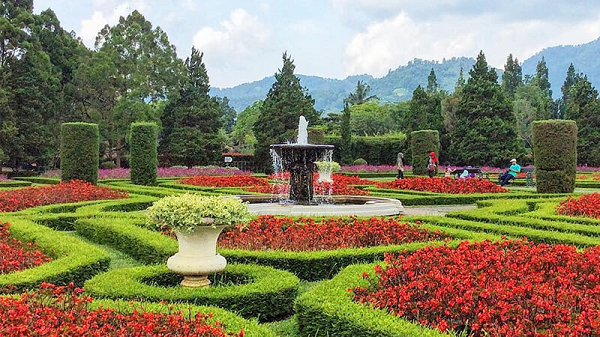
338, 205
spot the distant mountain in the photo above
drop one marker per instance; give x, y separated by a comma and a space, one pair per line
399, 84
585, 58
329, 94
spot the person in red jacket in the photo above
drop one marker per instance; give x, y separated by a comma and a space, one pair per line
432, 164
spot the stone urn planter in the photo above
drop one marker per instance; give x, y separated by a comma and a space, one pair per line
197, 257
197, 221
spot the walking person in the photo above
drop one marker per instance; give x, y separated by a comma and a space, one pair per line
511, 173
400, 165
432, 164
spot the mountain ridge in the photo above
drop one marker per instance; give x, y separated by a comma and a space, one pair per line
398, 84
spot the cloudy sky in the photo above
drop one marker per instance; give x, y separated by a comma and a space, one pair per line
243, 39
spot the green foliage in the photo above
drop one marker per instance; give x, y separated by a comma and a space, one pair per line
134, 69
555, 149
191, 122
584, 108
3, 157
422, 143
485, 131
79, 152
512, 78
72, 260
243, 133
541, 78
346, 139
361, 94
359, 161
530, 104
267, 293
424, 112
571, 79
286, 101
370, 119
376, 150
109, 164
144, 160
227, 113
432, 85
185, 212
329, 166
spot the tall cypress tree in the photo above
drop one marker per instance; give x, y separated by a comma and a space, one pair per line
191, 122
460, 82
432, 85
541, 77
286, 101
485, 125
512, 78
571, 78
584, 108
346, 133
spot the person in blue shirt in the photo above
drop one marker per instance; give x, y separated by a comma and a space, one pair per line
511, 173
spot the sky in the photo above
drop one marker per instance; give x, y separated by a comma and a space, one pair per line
243, 40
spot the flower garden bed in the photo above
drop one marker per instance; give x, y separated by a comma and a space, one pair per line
306, 234
588, 205
16, 255
162, 172
444, 185
65, 192
65, 311
233, 181
513, 288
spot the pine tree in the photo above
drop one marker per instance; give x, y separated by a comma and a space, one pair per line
432, 85
346, 133
584, 108
191, 122
512, 78
571, 78
286, 101
460, 83
541, 77
485, 125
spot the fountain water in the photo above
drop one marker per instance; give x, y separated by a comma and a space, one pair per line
299, 160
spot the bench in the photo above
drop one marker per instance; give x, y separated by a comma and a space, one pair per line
473, 172
526, 173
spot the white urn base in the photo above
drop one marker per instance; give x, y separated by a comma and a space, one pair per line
197, 257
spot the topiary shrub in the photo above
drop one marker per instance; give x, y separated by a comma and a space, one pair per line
108, 165
422, 143
79, 151
359, 161
144, 154
555, 155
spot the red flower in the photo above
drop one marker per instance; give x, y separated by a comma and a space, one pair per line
444, 185
287, 234
16, 255
63, 311
588, 205
65, 192
512, 288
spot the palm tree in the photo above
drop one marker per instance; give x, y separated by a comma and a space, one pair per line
361, 95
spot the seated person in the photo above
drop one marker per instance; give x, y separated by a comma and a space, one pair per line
511, 173
465, 174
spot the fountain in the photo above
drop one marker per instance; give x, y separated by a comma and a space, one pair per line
299, 160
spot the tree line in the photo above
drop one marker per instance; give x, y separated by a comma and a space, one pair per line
133, 74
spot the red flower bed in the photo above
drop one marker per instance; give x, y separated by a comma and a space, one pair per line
513, 288
269, 233
65, 192
62, 311
342, 185
229, 181
15, 255
588, 205
444, 185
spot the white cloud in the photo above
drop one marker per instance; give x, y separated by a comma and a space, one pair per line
107, 13
392, 42
242, 33
229, 50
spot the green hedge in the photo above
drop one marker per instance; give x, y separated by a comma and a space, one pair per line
79, 151
231, 321
144, 153
72, 260
14, 183
422, 143
376, 150
264, 292
555, 150
329, 310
